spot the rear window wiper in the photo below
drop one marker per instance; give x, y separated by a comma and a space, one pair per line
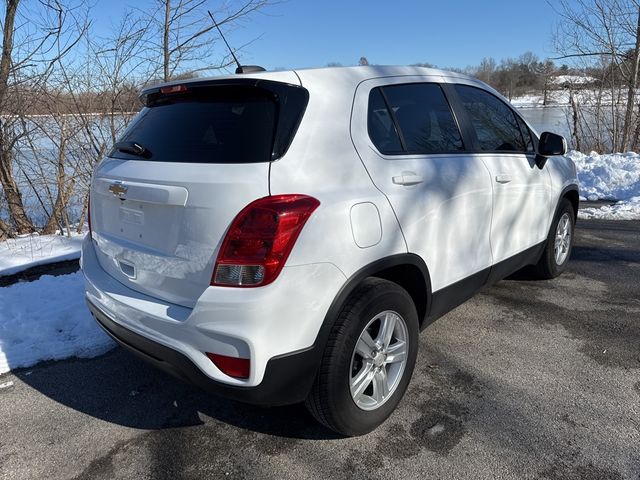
132, 148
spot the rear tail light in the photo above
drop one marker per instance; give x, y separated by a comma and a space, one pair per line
232, 366
260, 239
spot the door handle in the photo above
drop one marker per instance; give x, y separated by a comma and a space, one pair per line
407, 178
503, 178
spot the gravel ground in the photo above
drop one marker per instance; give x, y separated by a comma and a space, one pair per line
526, 380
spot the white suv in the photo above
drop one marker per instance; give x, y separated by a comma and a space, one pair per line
283, 237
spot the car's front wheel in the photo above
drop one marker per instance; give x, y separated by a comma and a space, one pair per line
368, 360
559, 243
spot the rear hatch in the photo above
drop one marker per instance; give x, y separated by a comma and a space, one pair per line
196, 154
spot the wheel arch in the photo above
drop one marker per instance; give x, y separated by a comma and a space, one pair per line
406, 270
570, 193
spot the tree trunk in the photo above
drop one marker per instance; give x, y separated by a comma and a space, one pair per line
85, 209
7, 48
55, 220
636, 137
9, 186
632, 83
12, 194
575, 119
165, 39
5, 230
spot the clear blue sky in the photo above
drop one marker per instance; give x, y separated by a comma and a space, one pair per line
447, 33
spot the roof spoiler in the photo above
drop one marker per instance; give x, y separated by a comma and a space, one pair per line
249, 69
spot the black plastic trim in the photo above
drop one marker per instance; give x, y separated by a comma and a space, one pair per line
287, 379
511, 265
448, 298
569, 188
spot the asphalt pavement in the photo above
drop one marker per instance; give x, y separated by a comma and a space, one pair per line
529, 379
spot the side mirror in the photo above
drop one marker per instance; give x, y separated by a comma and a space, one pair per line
550, 144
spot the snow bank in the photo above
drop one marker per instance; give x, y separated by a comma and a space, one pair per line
625, 210
27, 251
614, 176
47, 320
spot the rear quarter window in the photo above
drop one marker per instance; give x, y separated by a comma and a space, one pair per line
412, 118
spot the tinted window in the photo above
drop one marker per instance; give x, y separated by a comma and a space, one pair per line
381, 127
526, 134
424, 118
214, 125
495, 124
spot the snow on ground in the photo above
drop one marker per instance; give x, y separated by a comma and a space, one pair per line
27, 251
47, 320
613, 176
562, 96
624, 210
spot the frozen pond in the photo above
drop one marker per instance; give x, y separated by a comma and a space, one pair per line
549, 119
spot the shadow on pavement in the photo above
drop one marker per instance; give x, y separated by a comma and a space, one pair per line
119, 388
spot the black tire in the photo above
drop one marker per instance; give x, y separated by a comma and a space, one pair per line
547, 267
330, 400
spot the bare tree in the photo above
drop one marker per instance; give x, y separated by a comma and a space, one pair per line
9, 186
101, 93
182, 36
592, 30
486, 70
32, 48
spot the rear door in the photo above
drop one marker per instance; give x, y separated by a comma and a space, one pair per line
411, 145
192, 159
522, 191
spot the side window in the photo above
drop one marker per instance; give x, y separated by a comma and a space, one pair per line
526, 134
495, 124
382, 130
424, 118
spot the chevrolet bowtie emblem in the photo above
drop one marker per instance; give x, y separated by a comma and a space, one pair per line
118, 189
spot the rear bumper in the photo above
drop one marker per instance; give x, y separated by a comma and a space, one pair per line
287, 379
276, 327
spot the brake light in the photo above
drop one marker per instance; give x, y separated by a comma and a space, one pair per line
89, 214
173, 89
260, 239
232, 366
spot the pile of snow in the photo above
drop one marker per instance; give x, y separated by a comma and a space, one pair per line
624, 210
614, 176
47, 320
572, 80
27, 251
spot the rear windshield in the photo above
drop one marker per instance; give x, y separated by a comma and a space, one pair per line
215, 124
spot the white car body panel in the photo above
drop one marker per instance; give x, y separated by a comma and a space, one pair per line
169, 251
521, 203
323, 163
450, 211
149, 262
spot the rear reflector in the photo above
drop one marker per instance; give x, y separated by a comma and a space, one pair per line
260, 239
232, 366
173, 89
